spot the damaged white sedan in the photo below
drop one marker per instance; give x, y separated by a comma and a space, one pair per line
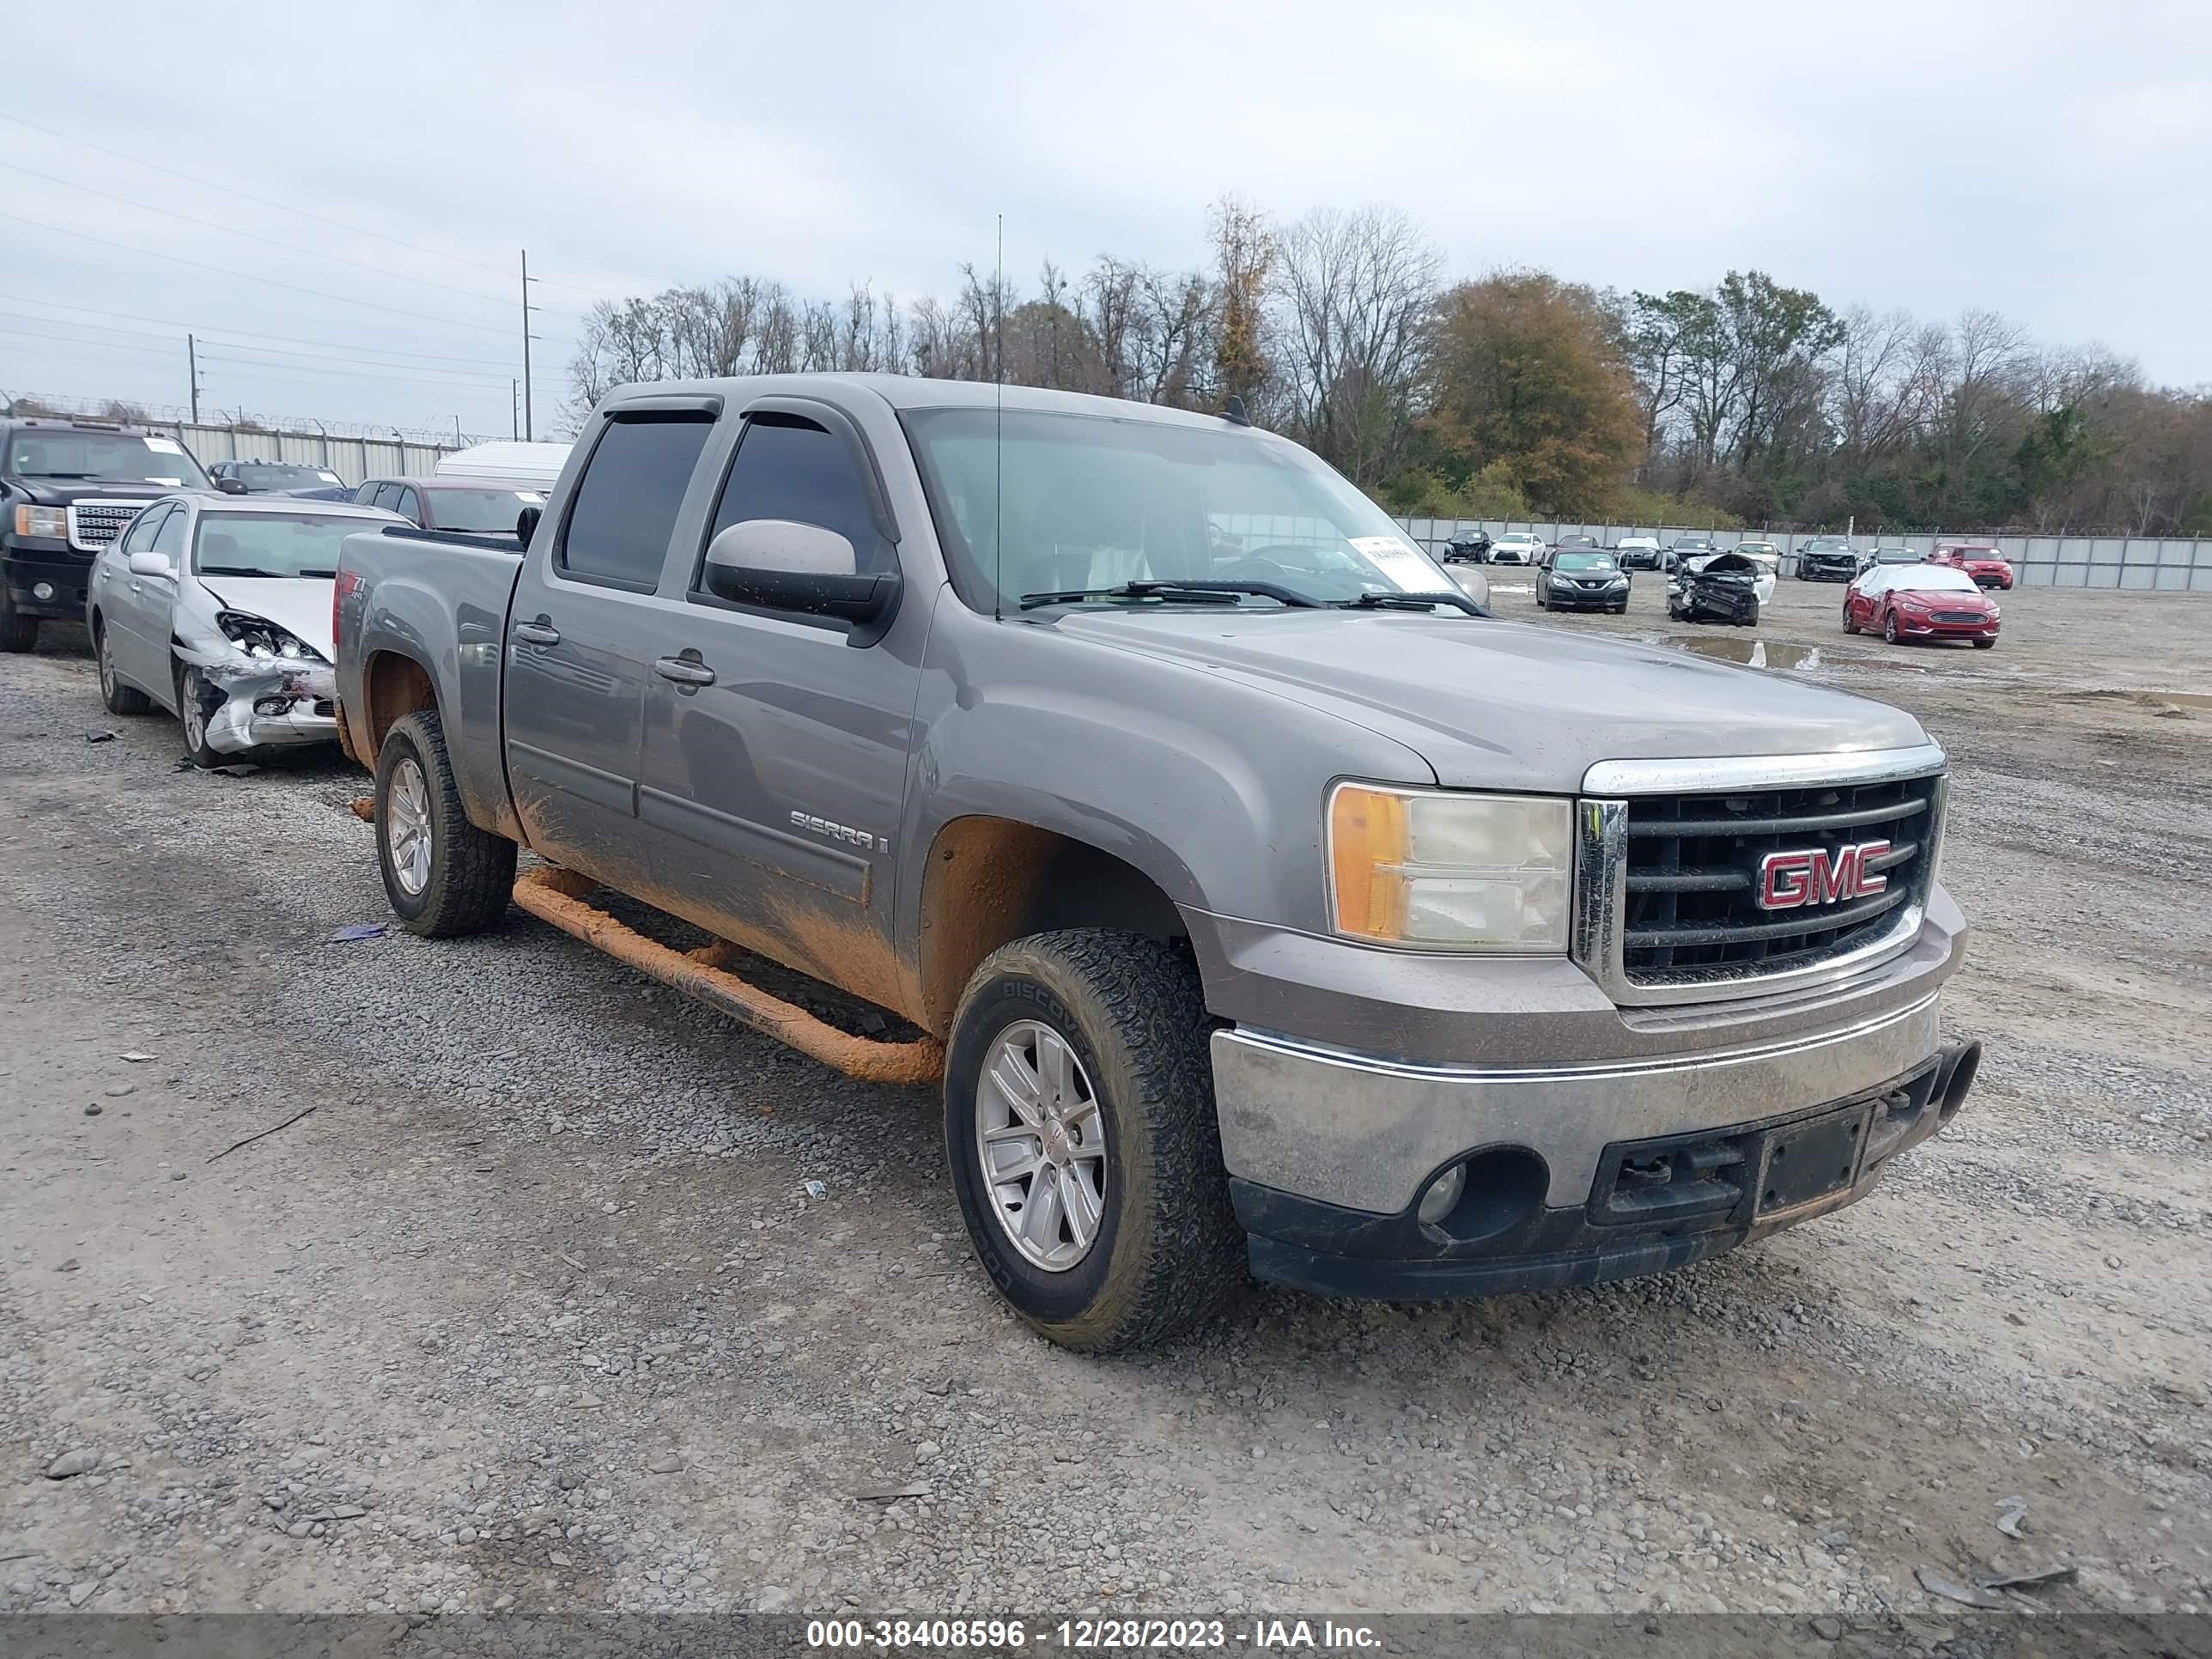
217, 608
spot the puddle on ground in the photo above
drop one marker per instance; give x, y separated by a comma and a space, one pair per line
1779, 654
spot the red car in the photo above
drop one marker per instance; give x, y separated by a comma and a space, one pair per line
1927, 601
1980, 560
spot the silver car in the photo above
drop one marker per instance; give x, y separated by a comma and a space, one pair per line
217, 608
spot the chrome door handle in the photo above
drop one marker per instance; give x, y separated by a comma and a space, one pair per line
684, 671
530, 633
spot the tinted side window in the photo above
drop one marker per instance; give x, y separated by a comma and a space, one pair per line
408, 506
142, 529
366, 495
789, 468
170, 537
626, 502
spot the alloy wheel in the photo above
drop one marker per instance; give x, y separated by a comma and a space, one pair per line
1041, 1145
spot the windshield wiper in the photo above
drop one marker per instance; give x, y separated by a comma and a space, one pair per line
240, 570
1204, 593
1413, 602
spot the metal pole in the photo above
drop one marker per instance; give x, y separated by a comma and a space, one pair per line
514, 407
192, 362
527, 432
457, 432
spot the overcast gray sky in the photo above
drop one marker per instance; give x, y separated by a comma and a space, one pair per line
2048, 161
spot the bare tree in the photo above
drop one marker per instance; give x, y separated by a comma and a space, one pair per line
1357, 291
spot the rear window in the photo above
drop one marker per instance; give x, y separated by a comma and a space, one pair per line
627, 502
489, 511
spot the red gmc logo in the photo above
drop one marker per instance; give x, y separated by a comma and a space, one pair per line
1788, 881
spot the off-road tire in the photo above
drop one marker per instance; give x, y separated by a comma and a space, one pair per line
471, 872
18, 632
1169, 1250
116, 697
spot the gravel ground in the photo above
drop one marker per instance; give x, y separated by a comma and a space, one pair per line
533, 1311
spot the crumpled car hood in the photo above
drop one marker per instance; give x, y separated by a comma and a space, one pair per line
1490, 704
298, 603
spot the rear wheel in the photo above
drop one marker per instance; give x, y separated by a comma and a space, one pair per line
442, 876
116, 697
1078, 1121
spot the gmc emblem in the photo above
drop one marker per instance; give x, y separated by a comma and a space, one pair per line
1788, 881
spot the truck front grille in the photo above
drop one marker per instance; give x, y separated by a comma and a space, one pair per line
1698, 880
93, 525
1693, 873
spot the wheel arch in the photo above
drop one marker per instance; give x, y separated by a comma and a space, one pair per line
393, 684
988, 880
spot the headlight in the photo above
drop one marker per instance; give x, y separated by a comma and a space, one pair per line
1450, 871
262, 638
42, 521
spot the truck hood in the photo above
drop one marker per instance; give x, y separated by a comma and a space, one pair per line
61, 492
299, 604
1499, 705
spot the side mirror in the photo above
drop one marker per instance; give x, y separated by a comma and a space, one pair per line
526, 525
1471, 582
230, 486
146, 563
778, 564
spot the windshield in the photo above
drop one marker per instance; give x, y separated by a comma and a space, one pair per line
1519, 538
1068, 502
1758, 550
1896, 555
1692, 545
267, 475
492, 511
119, 456
1827, 544
271, 543
1933, 579
1584, 561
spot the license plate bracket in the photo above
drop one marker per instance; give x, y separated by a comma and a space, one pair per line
1812, 1160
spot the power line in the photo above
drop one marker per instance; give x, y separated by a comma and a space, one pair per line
249, 364
249, 276
267, 241
288, 339
282, 207
402, 371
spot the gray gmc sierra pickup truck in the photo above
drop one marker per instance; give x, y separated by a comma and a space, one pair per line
1263, 901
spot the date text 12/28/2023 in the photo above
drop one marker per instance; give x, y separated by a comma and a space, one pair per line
1086, 1634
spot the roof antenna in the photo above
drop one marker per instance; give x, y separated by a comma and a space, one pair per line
1235, 413
998, 457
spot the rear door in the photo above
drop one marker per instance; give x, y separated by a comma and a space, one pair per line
581, 639
134, 608
775, 751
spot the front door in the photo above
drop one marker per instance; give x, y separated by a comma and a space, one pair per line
581, 641
775, 751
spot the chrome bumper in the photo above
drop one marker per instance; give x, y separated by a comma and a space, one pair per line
1364, 1133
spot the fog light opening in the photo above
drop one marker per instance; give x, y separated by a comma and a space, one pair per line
1493, 1193
42, 590
1442, 1194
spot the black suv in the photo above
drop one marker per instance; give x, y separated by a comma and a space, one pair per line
67, 488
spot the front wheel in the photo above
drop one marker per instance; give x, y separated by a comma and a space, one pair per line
1889, 628
442, 876
1985, 644
18, 632
195, 702
1079, 1125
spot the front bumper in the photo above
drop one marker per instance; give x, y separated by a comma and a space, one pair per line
262, 702
1911, 628
51, 565
1816, 571
1577, 1173
1610, 598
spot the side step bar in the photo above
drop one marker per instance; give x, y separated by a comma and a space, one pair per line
558, 896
